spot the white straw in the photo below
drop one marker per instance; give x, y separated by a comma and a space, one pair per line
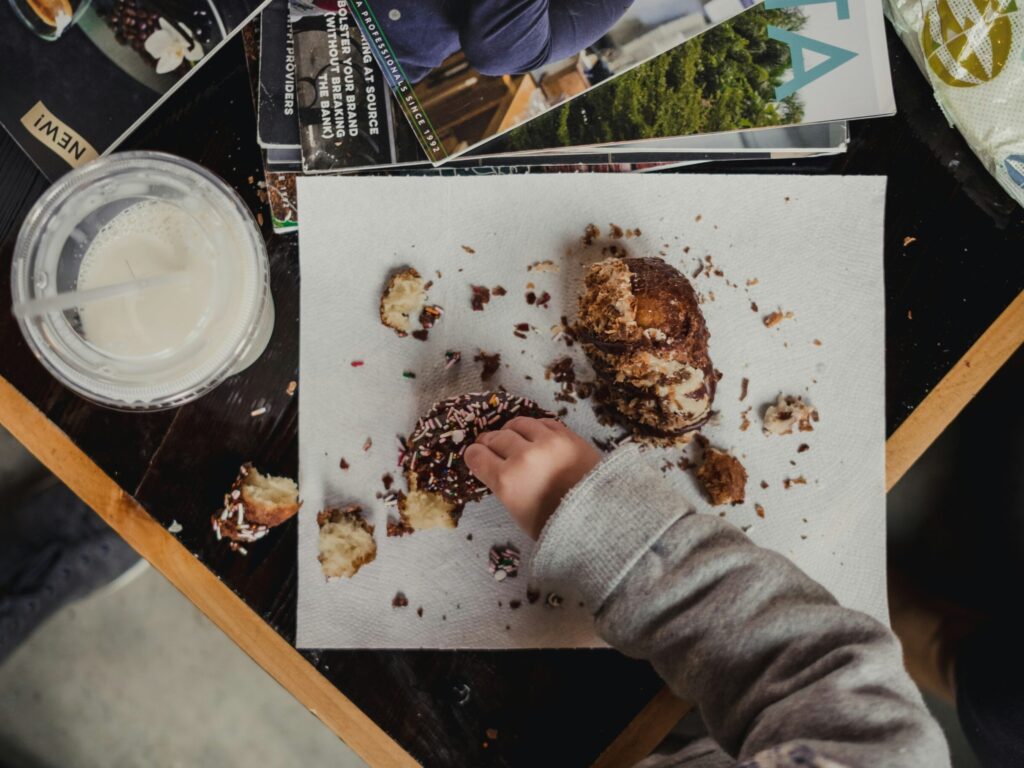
71, 299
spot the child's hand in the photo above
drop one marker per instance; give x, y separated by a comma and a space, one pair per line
530, 464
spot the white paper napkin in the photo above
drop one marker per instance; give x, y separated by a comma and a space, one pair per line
807, 245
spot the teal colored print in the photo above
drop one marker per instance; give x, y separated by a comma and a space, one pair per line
801, 75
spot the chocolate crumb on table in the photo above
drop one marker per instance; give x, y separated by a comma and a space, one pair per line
532, 595
759, 510
467, 249
764, 484
343, 463
590, 234
744, 383
616, 231
399, 600
531, 297
419, 611
543, 299
514, 604
803, 447
498, 290
491, 363
481, 295
421, 334
367, 444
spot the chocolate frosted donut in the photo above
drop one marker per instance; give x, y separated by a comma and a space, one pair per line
440, 483
642, 328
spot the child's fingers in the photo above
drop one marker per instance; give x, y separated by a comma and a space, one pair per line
553, 424
531, 429
503, 442
483, 462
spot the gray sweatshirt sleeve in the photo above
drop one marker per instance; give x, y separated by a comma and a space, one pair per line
776, 666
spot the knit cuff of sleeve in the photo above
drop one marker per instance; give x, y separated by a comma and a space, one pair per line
604, 525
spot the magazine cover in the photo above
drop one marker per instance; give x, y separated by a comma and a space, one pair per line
467, 70
785, 62
78, 75
329, 153
277, 124
346, 115
768, 67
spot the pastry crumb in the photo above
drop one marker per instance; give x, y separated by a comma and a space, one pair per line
723, 476
788, 412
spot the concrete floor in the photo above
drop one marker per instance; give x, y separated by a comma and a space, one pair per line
137, 676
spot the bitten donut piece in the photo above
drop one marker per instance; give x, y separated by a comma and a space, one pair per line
255, 504
641, 326
440, 484
723, 476
402, 300
268, 500
346, 541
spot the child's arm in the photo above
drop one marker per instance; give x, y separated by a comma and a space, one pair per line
773, 661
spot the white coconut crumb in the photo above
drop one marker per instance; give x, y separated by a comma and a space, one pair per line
259, 411
543, 266
175, 527
789, 412
292, 386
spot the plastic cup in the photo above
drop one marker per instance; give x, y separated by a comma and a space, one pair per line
138, 215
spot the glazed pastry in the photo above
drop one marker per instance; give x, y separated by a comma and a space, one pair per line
642, 328
440, 484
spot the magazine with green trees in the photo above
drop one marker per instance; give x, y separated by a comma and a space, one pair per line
737, 76
782, 62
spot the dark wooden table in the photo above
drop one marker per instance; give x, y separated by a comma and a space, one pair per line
955, 312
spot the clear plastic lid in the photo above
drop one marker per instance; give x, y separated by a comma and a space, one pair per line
143, 214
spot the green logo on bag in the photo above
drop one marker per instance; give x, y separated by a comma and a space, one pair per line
968, 42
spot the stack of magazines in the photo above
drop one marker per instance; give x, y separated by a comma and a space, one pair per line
468, 87
461, 87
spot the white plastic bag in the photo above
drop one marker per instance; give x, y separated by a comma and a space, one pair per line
972, 52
